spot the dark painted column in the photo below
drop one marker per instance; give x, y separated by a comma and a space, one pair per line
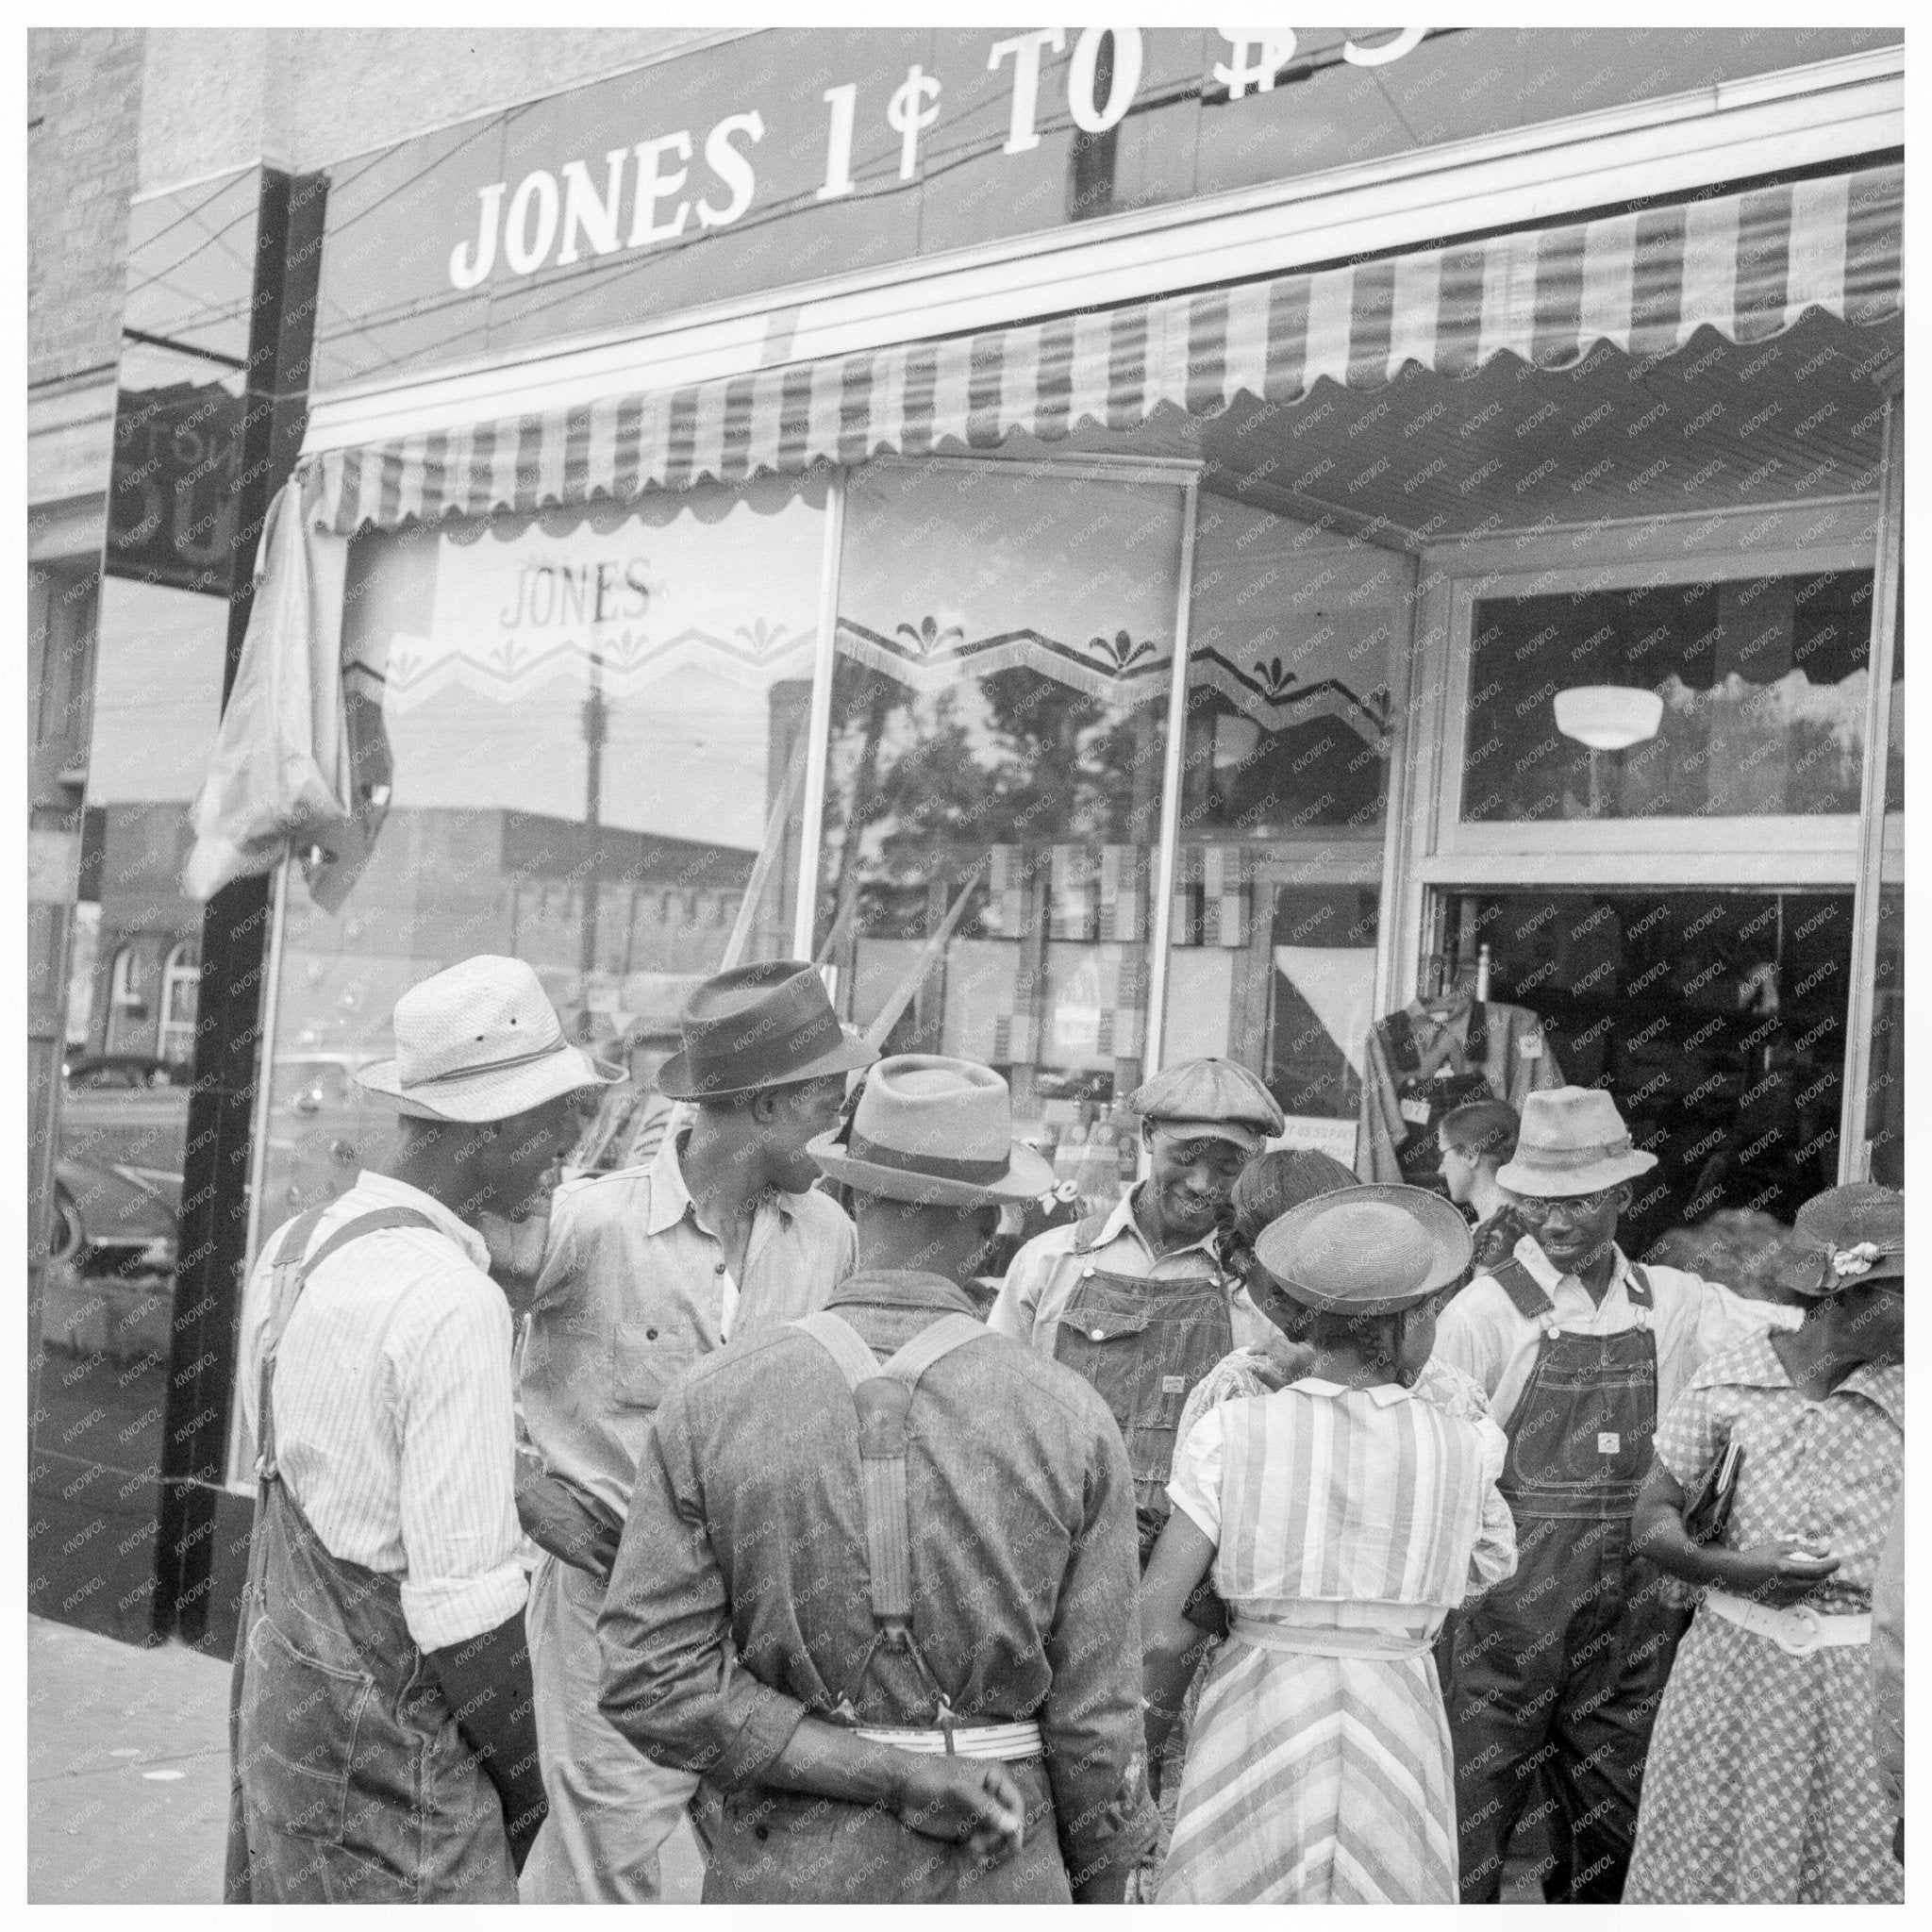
194, 1548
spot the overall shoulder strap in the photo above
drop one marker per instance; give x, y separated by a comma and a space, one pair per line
1637, 1285
1522, 1288
843, 1343
293, 1269
938, 1339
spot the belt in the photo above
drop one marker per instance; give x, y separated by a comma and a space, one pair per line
1330, 1640
1797, 1631
1010, 1741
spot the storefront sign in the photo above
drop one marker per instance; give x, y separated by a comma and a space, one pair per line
170, 517
789, 156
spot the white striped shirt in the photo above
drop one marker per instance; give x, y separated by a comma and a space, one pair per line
1321, 1494
394, 1409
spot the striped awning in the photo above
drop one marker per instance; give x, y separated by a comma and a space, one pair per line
1748, 265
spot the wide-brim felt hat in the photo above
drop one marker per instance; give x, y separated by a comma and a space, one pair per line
1572, 1141
1857, 1232
767, 1025
480, 1041
934, 1132
1370, 1250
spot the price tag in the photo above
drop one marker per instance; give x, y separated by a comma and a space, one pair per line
1530, 1046
1415, 1112
1607, 1442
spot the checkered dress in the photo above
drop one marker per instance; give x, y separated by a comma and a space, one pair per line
1761, 1784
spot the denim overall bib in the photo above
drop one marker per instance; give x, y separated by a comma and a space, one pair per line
1142, 1344
1559, 1670
350, 1782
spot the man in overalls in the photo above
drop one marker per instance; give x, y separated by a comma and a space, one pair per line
1135, 1299
1558, 1673
383, 1747
877, 1581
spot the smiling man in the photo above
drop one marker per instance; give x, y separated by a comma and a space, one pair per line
1135, 1299
1558, 1671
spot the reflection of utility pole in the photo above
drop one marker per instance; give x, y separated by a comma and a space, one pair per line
596, 717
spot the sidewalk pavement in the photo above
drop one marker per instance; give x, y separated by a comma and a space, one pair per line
128, 1775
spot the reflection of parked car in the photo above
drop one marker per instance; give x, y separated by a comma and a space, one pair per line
118, 1179
322, 1128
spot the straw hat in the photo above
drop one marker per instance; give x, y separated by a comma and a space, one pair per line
1371, 1249
1857, 1232
936, 1132
1572, 1141
762, 1026
1209, 1097
481, 1041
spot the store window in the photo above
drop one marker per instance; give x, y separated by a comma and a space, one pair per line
1885, 1090
998, 740
127, 1002
180, 983
1294, 636
1715, 1018
595, 725
1744, 698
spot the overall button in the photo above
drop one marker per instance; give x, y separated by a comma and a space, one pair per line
1086, 1275
761, 1832
1096, 1334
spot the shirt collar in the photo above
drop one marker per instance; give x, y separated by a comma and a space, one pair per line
1121, 1220
902, 1288
670, 1199
1757, 1365
1381, 1394
385, 1190
1547, 1276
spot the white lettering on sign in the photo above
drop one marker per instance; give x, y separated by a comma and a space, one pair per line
1089, 117
1025, 50
911, 109
585, 218
843, 102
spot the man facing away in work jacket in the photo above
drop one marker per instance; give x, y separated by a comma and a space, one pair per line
878, 1578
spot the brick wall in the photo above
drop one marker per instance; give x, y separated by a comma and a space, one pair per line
83, 114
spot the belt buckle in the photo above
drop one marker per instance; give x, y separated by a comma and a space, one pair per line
1801, 1630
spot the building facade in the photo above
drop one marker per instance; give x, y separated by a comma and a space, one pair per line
1118, 544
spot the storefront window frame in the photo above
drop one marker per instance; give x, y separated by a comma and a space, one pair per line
1881, 834
1813, 848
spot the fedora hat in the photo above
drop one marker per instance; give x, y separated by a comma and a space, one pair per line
768, 1024
1370, 1250
936, 1132
1572, 1141
1857, 1232
1212, 1097
481, 1041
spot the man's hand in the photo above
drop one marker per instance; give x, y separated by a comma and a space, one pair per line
969, 1800
572, 1527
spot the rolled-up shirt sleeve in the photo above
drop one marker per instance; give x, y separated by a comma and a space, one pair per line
674, 1683
457, 1475
1091, 1721
1727, 1320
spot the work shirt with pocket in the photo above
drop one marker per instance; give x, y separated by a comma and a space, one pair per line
634, 1289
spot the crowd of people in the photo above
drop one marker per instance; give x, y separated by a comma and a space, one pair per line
1272, 1536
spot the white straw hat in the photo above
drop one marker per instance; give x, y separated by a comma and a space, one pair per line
481, 1041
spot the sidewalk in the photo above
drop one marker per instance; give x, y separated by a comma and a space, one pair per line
128, 1775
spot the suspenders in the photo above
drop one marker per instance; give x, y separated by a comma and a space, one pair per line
883, 1396
291, 1273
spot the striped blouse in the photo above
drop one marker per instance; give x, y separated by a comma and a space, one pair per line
1320, 1495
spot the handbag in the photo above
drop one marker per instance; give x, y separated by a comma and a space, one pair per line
1707, 1512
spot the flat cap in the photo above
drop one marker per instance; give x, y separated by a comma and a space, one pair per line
1212, 1096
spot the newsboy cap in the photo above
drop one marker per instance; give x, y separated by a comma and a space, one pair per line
1209, 1097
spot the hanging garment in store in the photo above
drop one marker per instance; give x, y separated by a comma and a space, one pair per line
1426, 1061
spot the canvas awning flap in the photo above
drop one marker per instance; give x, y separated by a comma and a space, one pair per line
1748, 265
